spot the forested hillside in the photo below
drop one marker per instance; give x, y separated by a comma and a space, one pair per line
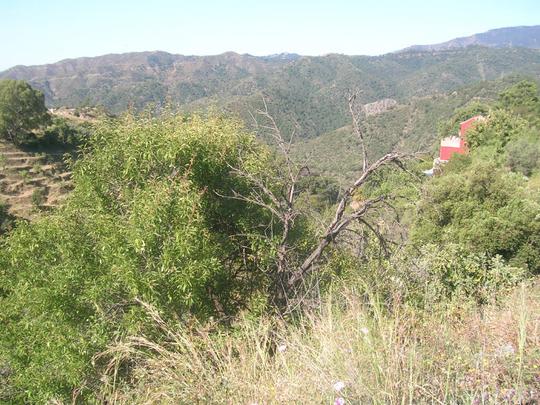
273, 230
193, 262
414, 126
309, 91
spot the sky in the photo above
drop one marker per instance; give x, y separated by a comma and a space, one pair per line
45, 31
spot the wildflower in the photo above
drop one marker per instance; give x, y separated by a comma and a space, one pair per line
338, 386
339, 401
509, 394
364, 330
282, 347
505, 350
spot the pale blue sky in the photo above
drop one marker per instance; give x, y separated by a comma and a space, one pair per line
45, 31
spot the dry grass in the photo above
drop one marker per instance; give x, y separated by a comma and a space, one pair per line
466, 356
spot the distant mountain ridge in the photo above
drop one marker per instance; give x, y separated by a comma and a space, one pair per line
309, 91
523, 36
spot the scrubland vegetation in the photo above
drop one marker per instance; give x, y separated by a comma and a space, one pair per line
167, 276
381, 354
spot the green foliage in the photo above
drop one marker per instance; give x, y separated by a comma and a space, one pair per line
436, 275
523, 155
64, 133
149, 221
410, 126
451, 127
22, 110
453, 274
38, 197
146, 221
7, 221
484, 209
522, 99
318, 192
497, 131
478, 203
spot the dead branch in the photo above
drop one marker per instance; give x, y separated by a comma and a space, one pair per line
287, 275
358, 131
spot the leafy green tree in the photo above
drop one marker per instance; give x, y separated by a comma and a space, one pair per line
522, 98
501, 127
484, 209
22, 110
523, 155
451, 126
146, 222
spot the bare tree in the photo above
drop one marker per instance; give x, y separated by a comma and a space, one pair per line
290, 274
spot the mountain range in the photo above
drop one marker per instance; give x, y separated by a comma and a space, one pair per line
308, 93
525, 37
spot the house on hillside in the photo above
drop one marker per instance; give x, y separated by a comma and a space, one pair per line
457, 144
454, 144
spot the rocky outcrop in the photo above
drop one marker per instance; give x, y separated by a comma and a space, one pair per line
380, 106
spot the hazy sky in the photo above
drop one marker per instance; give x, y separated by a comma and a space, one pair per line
45, 31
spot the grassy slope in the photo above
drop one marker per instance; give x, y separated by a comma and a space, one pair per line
456, 355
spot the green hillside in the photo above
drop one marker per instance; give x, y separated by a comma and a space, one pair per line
412, 126
310, 91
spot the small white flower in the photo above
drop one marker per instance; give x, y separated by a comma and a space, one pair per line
339, 401
338, 386
282, 347
505, 350
364, 330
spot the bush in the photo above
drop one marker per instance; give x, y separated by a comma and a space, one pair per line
63, 133
522, 99
453, 274
7, 221
146, 221
451, 127
497, 131
486, 210
38, 197
523, 155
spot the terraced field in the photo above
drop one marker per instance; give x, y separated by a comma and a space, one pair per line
32, 182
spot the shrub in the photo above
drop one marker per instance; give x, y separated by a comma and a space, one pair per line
63, 133
452, 274
38, 197
497, 131
146, 221
7, 221
483, 208
523, 155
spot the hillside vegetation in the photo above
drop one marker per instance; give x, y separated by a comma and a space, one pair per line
34, 145
176, 270
415, 126
305, 91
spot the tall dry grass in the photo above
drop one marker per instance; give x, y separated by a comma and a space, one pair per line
466, 355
